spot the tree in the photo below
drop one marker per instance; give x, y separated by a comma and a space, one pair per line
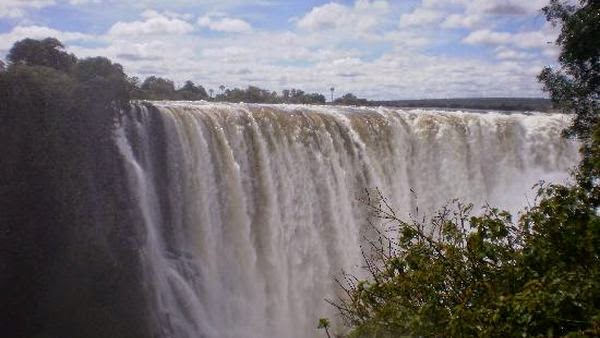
316, 98
101, 80
480, 276
48, 52
191, 92
575, 86
2, 66
350, 99
457, 275
157, 88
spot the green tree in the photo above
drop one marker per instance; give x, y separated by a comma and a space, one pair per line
157, 88
48, 52
350, 99
101, 80
191, 92
575, 86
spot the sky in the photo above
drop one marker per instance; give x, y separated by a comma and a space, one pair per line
377, 49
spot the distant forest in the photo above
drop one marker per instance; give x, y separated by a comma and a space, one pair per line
156, 88
494, 103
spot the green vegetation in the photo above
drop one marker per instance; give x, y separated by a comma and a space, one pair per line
459, 275
157, 88
491, 103
575, 87
351, 100
48, 52
257, 95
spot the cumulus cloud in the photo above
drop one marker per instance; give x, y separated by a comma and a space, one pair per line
471, 13
539, 39
504, 53
488, 37
38, 32
358, 19
420, 17
223, 23
328, 16
461, 21
83, 2
154, 23
18, 8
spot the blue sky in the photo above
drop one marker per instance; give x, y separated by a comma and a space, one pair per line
378, 49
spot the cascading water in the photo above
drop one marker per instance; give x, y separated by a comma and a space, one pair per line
251, 210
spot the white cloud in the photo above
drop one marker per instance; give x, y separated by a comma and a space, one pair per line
18, 8
328, 16
461, 21
38, 32
154, 24
471, 13
503, 53
487, 37
83, 2
421, 17
223, 23
539, 39
356, 20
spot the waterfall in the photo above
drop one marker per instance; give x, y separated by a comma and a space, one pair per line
250, 211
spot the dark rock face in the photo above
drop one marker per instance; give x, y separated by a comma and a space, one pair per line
70, 230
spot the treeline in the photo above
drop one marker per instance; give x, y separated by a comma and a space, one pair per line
157, 88
351, 100
492, 103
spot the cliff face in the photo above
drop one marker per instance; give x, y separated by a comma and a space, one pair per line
71, 235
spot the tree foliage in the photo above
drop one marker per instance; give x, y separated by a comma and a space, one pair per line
460, 275
191, 92
575, 86
481, 276
157, 88
254, 94
351, 100
48, 52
